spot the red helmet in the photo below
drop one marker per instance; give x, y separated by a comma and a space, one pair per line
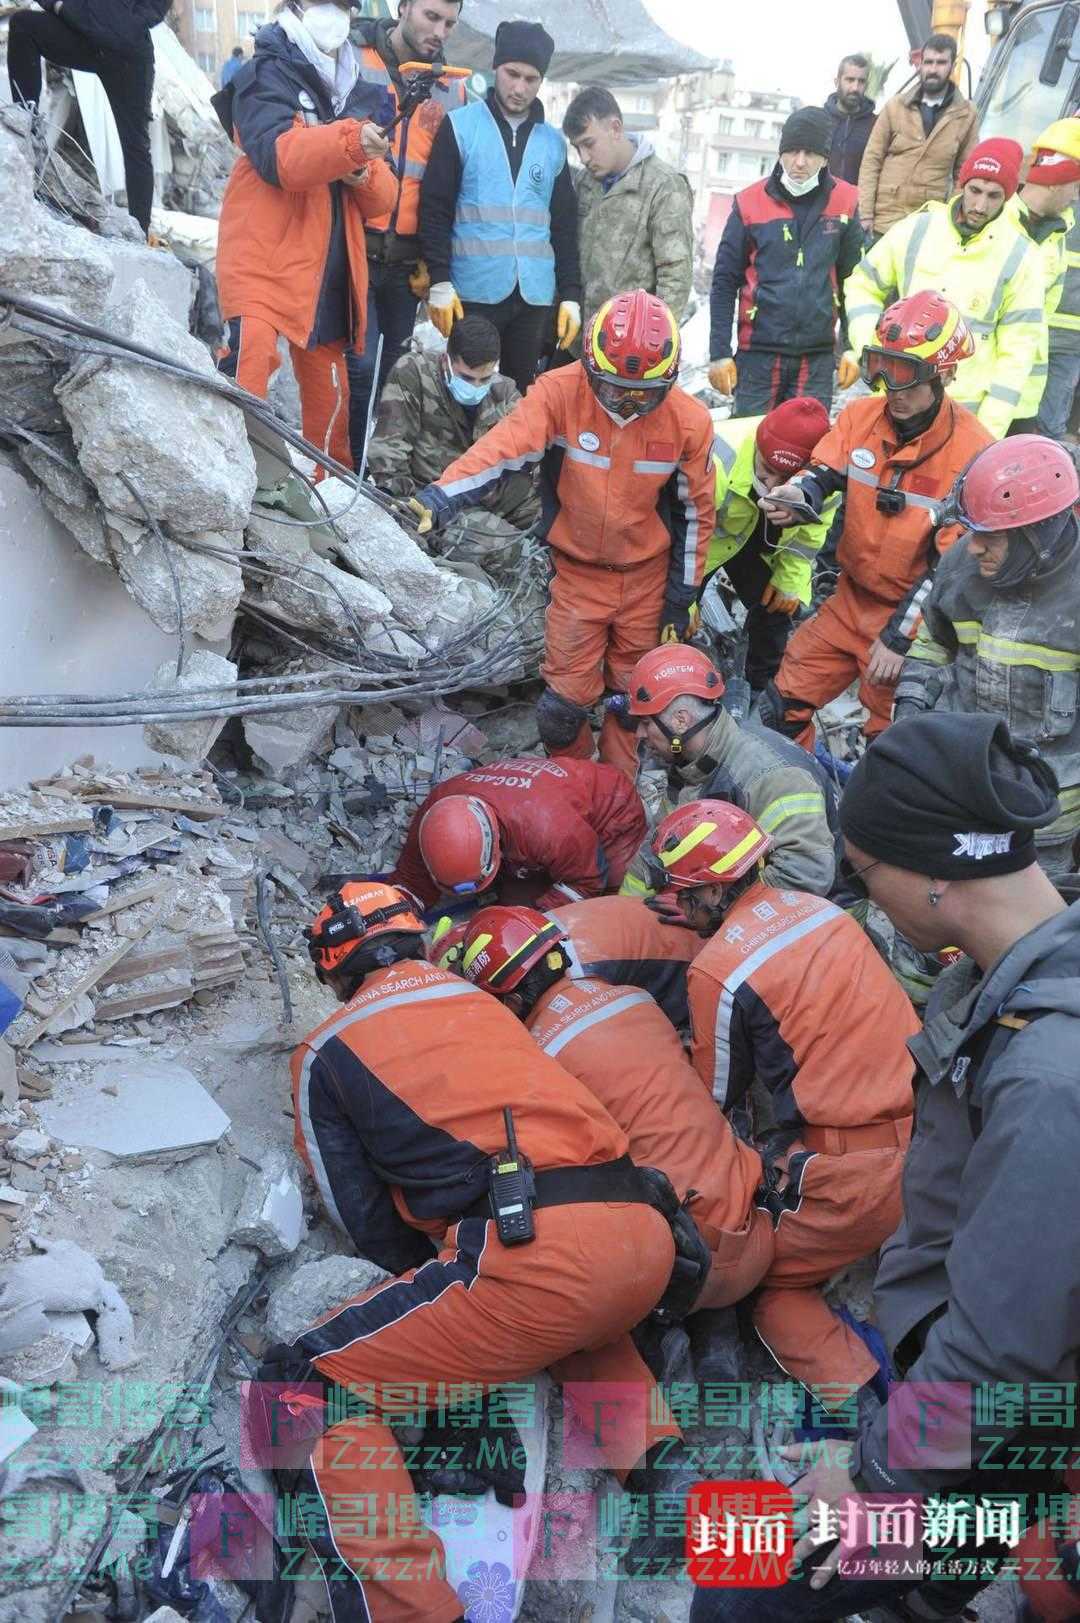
361, 911
1015, 483
918, 338
503, 943
708, 842
665, 674
631, 353
459, 842
446, 943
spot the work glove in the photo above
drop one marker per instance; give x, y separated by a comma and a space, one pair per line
444, 307
665, 905
568, 323
680, 622
420, 280
723, 375
778, 602
847, 370
425, 518
431, 510
462, 1458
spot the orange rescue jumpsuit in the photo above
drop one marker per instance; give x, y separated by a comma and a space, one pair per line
791, 994
617, 1042
629, 513
884, 559
619, 940
410, 1078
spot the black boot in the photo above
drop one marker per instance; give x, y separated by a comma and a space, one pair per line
715, 1345
664, 1478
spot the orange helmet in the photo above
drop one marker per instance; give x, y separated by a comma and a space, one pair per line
447, 941
503, 943
665, 674
360, 911
708, 842
631, 353
918, 339
459, 842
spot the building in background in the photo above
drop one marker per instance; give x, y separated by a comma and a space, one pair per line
208, 29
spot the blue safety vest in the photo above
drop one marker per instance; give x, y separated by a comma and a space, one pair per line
502, 229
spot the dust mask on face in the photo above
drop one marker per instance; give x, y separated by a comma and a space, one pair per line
798, 188
760, 487
328, 26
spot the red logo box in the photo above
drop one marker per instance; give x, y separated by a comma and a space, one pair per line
739, 1535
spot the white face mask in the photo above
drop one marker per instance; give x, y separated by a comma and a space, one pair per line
328, 26
759, 485
794, 188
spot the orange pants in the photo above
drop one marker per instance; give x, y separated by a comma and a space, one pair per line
321, 376
599, 623
849, 1205
479, 1314
827, 654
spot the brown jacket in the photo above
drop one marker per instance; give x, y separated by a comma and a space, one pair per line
902, 168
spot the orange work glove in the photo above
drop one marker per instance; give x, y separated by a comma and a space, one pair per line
847, 371
723, 375
420, 281
444, 307
776, 602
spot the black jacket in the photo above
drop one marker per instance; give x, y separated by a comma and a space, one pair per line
116, 25
442, 182
851, 131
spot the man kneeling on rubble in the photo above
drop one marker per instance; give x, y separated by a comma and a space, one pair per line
532, 829
403, 1103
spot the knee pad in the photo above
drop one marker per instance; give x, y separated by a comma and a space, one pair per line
559, 720
784, 715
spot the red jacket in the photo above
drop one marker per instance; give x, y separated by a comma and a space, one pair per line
577, 823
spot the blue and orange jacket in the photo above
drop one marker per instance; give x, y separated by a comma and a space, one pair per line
785, 263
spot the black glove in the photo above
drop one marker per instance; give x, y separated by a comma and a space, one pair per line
474, 1458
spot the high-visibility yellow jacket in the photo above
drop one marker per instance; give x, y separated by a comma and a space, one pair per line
995, 278
1048, 233
1065, 321
790, 552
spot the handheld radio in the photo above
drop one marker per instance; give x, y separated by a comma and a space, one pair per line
512, 1190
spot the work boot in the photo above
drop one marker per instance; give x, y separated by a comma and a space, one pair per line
715, 1346
664, 1478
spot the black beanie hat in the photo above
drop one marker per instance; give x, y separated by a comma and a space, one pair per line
951, 796
524, 42
808, 130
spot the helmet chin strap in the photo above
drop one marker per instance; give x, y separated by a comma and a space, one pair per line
678, 741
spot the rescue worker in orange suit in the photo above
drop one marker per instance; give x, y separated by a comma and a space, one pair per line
399, 1101
292, 258
616, 1041
397, 276
628, 497
895, 457
620, 940
840, 1084
537, 830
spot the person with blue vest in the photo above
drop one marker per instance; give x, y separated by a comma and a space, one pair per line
498, 212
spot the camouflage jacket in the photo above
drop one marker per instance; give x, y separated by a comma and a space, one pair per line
638, 233
420, 429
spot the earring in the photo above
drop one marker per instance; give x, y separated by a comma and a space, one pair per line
933, 897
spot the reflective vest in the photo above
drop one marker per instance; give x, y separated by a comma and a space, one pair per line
995, 278
1065, 321
502, 228
410, 144
791, 552
1051, 248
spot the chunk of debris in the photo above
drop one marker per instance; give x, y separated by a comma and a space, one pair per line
153, 1109
190, 740
316, 1287
271, 1214
64, 1278
308, 590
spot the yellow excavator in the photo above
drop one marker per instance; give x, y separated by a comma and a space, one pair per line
1032, 75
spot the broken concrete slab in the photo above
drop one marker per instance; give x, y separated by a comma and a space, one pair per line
314, 1289
15, 1427
184, 446
40, 253
29, 1144
209, 587
285, 740
70, 496
171, 283
190, 740
312, 592
151, 1109
271, 1214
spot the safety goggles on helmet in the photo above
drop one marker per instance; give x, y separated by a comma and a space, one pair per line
628, 401
891, 370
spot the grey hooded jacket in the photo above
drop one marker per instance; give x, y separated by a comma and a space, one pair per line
981, 1280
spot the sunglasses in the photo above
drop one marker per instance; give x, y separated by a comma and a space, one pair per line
852, 880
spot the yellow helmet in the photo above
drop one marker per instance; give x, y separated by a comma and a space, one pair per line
1056, 154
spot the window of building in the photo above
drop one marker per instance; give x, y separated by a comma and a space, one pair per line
249, 22
753, 126
206, 61
722, 163
725, 126
205, 21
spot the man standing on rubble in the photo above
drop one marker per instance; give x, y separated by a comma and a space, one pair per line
853, 116
839, 1087
498, 215
397, 278
972, 1295
789, 244
895, 455
401, 1101
434, 407
536, 830
626, 479
112, 39
675, 696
